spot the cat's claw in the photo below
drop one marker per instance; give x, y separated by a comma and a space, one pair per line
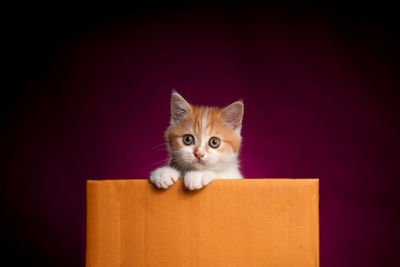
164, 177
196, 180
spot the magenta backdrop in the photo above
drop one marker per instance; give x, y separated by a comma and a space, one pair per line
321, 100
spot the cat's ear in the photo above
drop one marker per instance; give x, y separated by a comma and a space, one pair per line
179, 107
233, 115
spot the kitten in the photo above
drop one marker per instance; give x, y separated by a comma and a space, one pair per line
203, 143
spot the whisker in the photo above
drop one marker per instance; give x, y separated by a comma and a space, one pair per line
158, 162
160, 149
157, 146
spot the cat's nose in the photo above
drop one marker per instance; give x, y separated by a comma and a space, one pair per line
199, 155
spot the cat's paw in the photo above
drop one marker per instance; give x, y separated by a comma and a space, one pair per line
194, 180
164, 177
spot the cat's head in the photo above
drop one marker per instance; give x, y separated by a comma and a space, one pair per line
201, 138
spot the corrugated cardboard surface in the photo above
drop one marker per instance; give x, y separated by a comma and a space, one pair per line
249, 222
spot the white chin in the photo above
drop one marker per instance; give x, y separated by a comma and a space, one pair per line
199, 165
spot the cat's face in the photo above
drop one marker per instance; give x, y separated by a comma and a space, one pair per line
201, 138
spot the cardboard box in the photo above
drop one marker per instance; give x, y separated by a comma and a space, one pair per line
249, 222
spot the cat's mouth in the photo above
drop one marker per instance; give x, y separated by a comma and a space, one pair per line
200, 162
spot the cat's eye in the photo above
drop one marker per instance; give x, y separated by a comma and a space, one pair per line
188, 139
214, 142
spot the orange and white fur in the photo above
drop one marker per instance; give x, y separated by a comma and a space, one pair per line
203, 143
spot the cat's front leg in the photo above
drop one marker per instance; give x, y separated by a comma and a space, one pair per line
198, 179
164, 177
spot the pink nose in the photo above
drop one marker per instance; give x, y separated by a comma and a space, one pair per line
198, 155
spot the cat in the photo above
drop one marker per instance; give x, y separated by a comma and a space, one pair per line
203, 143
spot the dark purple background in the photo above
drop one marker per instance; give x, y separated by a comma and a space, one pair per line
90, 92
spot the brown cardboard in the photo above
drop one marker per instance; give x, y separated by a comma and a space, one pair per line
249, 222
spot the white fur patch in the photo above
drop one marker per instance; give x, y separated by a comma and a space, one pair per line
204, 121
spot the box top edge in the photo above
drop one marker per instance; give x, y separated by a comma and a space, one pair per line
245, 179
